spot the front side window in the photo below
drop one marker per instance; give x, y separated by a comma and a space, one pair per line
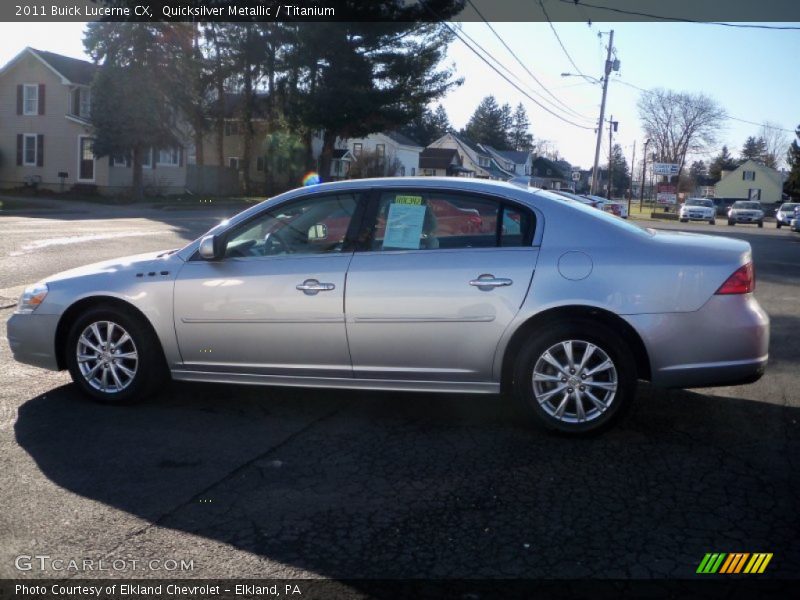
426, 220
30, 99
29, 151
316, 225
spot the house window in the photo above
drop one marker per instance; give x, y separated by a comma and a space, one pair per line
429, 172
30, 99
231, 128
30, 150
413, 170
234, 162
169, 157
402, 171
118, 160
260, 163
357, 150
748, 175
81, 102
483, 162
147, 158
754, 194
380, 150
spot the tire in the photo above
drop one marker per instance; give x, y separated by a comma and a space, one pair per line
684, 220
778, 224
761, 224
731, 223
140, 367
542, 401
712, 222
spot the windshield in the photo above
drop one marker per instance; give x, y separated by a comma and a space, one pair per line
790, 206
699, 202
747, 205
576, 204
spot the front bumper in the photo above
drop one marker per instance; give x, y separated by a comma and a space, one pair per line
745, 219
698, 216
32, 339
726, 342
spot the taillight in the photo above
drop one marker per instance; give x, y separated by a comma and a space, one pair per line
743, 281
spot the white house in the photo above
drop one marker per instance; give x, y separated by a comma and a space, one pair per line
394, 148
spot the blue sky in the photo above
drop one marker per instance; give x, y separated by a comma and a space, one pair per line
751, 73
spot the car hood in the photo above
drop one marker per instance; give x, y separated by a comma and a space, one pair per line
139, 262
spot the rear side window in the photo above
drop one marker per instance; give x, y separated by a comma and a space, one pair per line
429, 220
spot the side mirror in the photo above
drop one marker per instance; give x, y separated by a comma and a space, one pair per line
210, 248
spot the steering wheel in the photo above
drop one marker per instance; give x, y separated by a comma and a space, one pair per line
275, 244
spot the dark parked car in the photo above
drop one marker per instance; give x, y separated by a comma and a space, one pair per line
723, 205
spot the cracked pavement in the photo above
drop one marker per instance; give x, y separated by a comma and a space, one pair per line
281, 482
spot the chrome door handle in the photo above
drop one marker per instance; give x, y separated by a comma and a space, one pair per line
312, 286
487, 282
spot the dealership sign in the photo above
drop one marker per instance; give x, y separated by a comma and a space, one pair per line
665, 168
667, 194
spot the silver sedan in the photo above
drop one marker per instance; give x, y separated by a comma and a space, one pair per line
416, 284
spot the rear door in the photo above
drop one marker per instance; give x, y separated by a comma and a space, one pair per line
441, 278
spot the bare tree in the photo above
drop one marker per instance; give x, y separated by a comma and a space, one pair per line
370, 164
776, 142
679, 123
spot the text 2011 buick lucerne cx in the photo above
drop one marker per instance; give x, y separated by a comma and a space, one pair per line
418, 284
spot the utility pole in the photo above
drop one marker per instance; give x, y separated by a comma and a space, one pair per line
633, 166
608, 67
610, 154
644, 164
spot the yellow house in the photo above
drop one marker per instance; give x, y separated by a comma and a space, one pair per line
751, 181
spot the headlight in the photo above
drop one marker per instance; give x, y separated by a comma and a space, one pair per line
31, 298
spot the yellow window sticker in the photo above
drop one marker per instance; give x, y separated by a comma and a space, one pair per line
412, 200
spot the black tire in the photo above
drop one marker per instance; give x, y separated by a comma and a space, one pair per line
712, 222
150, 370
731, 223
580, 331
778, 224
684, 220
761, 223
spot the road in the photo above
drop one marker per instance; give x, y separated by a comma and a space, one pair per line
270, 482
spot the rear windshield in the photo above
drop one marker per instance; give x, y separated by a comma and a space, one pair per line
597, 214
699, 202
747, 205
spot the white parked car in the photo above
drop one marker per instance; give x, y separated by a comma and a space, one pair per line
698, 209
785, 214
746, 211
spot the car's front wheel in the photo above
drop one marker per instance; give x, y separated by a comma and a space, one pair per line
575, 377
778, 224
712, 222
761, 223
731, 223
113, 356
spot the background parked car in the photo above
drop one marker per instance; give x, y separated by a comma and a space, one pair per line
723, 205
746, 211
618, 209
698, 209
794, 224
785, 214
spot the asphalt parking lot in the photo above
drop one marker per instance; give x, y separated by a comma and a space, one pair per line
270, 482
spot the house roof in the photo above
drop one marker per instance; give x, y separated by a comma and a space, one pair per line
515, 156
74, 70
342, 154
438, 158
753, 165
541, 166
402, 139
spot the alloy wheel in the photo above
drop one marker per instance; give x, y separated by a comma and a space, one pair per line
575, 381
107, 356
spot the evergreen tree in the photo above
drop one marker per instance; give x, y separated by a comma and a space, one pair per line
723, 162
133, 91
520, 137
428, 127
486, 125
441, 122
792, 185
754, 149
620, 177
698, 171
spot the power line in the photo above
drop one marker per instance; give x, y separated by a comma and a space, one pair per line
519, 89
680, 19
560, 43
523, 65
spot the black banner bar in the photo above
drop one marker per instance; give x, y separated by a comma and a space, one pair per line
741, 11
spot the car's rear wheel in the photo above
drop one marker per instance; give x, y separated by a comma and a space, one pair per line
731, 223
575, 377
778, 224
114, 357
684, 220
712, 222
761, 223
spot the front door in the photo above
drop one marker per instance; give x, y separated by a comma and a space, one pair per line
445, 275
85, 159
274, 305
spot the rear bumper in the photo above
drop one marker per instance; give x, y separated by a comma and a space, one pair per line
746, 219
32, 339
726, 342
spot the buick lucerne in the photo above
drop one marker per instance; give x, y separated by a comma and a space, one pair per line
417, 284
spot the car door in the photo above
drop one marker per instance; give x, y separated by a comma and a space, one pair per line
274, 305
429, 299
